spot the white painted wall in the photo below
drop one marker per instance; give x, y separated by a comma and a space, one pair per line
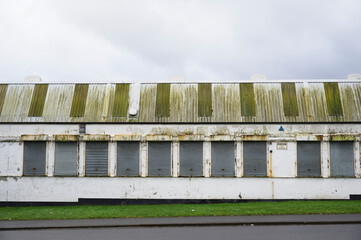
283, 184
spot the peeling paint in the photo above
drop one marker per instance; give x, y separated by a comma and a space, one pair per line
342, 138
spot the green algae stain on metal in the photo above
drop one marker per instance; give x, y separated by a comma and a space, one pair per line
289, 99
121, 100
3, 89
248, 105
204, 100
79, 100
163, 100
38, 100
333, 99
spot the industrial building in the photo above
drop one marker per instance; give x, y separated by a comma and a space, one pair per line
254, 139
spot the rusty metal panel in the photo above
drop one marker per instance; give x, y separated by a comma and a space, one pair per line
121, 100
96, 159
17, 103
95, 103
204, 100
128, 158
342, 159
162, 108
66, 155
3, 89
269, 102
351, 101
318, 102
147, 102
248, 103
226, 103
254, 159
222, 159
34, 158
159, 159
58, 103
333, 98
289, 99
38, 100
191, 159
308, 159
79, 100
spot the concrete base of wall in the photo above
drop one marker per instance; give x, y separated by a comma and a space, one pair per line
71, 189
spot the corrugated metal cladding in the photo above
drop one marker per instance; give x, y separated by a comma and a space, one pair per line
223, 161
159, 159
34, 158
309, 101
128, 159
66, 155
191, 159
308, 159
341, 159
254, 159
96, 159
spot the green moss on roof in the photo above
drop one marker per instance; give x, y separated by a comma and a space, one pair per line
79, 100
333, 99
248, 104
204, 100
163, 100
38, 100
3, 89
289, 99
121, 100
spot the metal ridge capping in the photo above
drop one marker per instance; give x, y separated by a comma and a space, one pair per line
238, 102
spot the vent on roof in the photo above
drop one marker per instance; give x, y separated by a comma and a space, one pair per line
354, 76
32, 79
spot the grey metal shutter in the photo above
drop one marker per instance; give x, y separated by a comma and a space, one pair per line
96, 159
308, 159
342, 159
222, 159
128, 158
159, 159
191, 159
254, 159
66, 155
34, 158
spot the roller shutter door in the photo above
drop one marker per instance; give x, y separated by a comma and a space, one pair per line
342, 159
66, 155
191, 159
222, 159
128, 158
159, 159
308, 159
34, 158
96, 159
254, 159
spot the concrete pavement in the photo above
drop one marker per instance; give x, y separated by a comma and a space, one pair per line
183, 221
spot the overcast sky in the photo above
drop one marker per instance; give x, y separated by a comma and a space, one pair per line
135, 40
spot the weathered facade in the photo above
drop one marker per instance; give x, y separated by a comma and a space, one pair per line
245, 140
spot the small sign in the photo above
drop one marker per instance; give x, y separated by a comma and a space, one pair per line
281, 146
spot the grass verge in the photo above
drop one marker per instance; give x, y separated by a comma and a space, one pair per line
177, 210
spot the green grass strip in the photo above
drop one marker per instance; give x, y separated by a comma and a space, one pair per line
333, 98
3, 89
79, 100
121, 100
178, 210
248, 104
204, 100
38, 100
289, 99
163, 100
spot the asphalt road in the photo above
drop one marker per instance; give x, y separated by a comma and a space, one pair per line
278, 232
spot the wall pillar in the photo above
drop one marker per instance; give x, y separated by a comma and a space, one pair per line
50, 158
357, 157
206, 157
175, 157
81, 160
112, 145
143, 155
325, 157
239, 157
